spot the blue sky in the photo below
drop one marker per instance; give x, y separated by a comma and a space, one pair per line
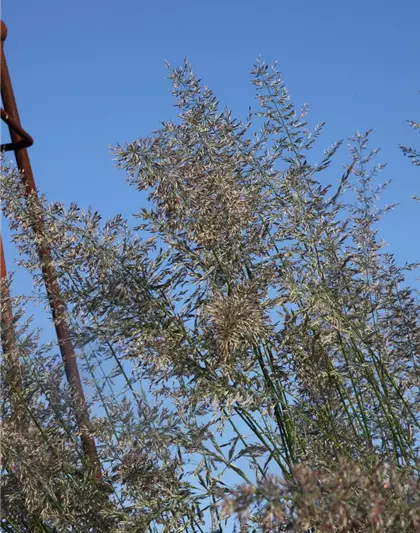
89, 74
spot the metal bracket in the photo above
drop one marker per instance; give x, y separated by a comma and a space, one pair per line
26, 141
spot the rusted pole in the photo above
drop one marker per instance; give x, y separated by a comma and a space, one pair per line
9, 344
57, 305
8, 336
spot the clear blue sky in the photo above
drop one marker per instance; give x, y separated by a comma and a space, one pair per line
88, 74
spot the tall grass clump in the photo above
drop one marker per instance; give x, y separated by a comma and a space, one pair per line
250, 349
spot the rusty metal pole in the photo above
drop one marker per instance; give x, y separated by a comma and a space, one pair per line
9, 345
57, 305
8, 336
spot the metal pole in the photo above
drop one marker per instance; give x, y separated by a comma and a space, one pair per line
9, 343
8, 336
57, 305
